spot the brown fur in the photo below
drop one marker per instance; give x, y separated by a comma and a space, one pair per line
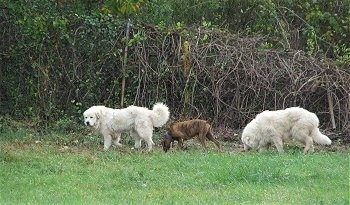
181, 131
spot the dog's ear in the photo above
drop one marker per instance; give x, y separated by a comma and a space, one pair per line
99, 113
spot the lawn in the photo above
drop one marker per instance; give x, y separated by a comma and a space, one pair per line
45, 173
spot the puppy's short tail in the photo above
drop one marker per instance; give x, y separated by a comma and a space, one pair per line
320, 138
160, 115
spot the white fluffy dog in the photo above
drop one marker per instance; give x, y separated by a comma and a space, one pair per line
139, 120
276, 126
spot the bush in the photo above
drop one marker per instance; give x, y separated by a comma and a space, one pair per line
60, 57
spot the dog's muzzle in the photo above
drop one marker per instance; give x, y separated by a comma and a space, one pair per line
165, 147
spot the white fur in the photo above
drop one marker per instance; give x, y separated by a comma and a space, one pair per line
139, 120
273, 127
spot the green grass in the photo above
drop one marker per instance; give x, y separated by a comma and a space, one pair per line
45, 173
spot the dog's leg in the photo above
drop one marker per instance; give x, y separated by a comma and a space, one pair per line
181, 143
147, 136
309, 145
150, 143
202, 140
137, 138
278, 143
107, 142
116, 140
137, 143
300, 134
211, 138
262, 148
144, 130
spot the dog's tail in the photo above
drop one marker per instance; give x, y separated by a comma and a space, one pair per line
160, 115
320, 138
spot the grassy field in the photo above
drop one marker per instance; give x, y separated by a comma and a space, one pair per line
45, 173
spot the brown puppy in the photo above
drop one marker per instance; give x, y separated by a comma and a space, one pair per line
181, 131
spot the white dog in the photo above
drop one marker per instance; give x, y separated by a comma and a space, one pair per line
139, 120
276, 126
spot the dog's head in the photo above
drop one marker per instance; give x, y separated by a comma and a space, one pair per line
246, 143
92, 116
167, 140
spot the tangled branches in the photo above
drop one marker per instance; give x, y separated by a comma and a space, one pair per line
233, 78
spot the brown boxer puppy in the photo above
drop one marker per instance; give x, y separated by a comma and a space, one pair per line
181, 131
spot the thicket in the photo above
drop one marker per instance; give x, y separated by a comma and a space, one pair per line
224, 60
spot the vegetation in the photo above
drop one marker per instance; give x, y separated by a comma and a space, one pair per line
44, 173
221, 59
213, 59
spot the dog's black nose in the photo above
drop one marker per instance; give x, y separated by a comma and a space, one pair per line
87, 123
165, 149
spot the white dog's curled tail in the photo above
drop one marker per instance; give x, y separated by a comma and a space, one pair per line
320, 138
160, 115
